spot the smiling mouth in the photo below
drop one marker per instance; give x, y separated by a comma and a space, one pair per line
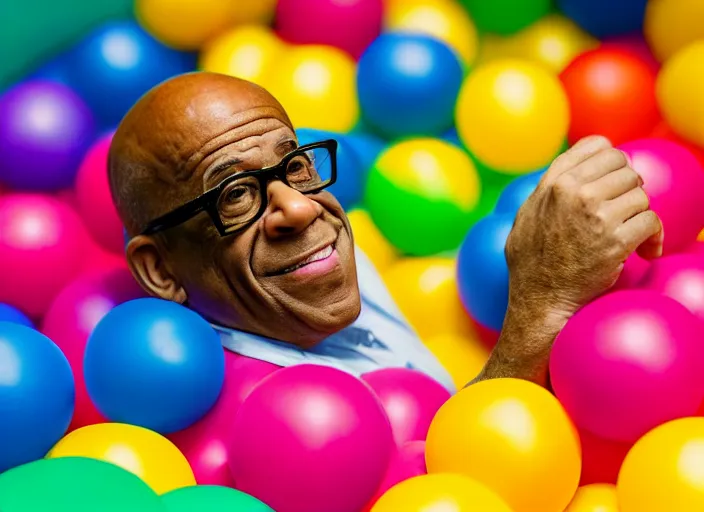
322, 254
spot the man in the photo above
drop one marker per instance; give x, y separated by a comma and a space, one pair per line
228, 216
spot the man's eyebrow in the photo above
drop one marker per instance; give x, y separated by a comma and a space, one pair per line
285, 146
218, 169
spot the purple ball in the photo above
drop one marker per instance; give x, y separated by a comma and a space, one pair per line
45, 129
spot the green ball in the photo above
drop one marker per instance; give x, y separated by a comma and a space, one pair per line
75, 484
211, 498
506, 17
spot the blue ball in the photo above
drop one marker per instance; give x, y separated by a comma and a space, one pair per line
12, 314
351, 175
367, 147
453, 138
515, 194
154, 363
36, 395
408, 85
482, 273
117, 63
605, 18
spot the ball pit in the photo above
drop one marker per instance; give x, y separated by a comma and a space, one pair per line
623, 17
14, 315
211, 498
506, 16
662, 15
680, 277
595, 497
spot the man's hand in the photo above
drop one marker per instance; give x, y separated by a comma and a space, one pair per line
568, 245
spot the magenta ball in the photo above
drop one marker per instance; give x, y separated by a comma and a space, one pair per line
680, 276
410, 399
674, 181
94, 200
311, 439
41, 250
350, 25
407, 461
633, 271
44, 130
205, 443
73, 315
696, 248
628, 362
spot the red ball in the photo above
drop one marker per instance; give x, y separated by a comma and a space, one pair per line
611, 93
601, 459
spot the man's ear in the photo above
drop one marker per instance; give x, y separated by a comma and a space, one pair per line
151, 270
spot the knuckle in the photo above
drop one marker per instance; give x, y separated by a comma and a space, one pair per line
565, 186
587, 198
618, 157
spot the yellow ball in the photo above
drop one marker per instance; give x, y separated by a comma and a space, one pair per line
445, 20
513, 115
679, 89
317, 85
370, 240
441, 493
664, 471
153, 458
425, 290
514, 437
594, 498
249, 52
463, 357
670, 25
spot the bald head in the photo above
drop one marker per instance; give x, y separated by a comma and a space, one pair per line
169, 135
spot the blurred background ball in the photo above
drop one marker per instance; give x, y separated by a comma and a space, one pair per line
350, 25
512, 436
154, 363
12, 314
594, 498
512, 104
36, 393
601, 458
628, 362
663, 469
366, 146
211, 498
44, 130
604, 18
505, 16
41, 249
370, 241
681, 277
408, 85
422, 194
517, 192
462, 357
670, 25
611, 93
320, 433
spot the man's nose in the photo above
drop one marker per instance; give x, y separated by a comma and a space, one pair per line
290, 212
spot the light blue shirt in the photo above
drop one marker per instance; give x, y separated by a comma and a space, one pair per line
379, 338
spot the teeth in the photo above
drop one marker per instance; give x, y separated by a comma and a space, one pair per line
323, 253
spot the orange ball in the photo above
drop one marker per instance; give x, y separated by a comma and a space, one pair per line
463, 357
594, 498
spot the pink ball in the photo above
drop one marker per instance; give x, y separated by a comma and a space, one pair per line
634, 269
350, 25
41, 250
681, 277
311, 439
94, 200
97, 258
674, 181
407, 461
205, 443
410, 399
73, 315
696, 249
628, 362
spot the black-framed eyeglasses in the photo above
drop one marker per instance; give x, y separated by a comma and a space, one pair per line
241, 199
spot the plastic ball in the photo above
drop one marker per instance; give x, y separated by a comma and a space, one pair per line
506, 16
75, 484
670, 25
628, 362
249, 52
679, 86
320, 433
422, 194
444, 20
408, 461
623, 17
12, 314
44, 130
635, 44
512, 104
116, 64
601, 459
316, 86
154, 363
410, 399
595, 498
512, 436
369, 239
425, 290
95, 204
482, 272
73, 315
611, 93
674, 182
36, 390
41, 243
440, 492
408, 85
366, 146
517, 192
663, 470
348, 189
211, 498
350, 25
681, 277
665, 131
462, 357
205, 443
634, 268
